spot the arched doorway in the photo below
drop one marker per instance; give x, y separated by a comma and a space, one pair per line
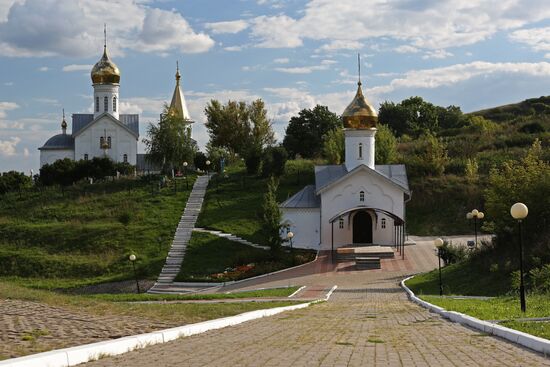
362, 227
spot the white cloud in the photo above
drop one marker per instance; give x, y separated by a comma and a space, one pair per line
8, 84
341, 45
7, 106
77, 67
282, 60
26, 152
73, 28
7, 147
232, 27
406, 49
422, 24
437, 54
325, 65
43, 68
537, 38
49, 101
234, 48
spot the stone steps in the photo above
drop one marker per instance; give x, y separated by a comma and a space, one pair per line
367, 263
231, 237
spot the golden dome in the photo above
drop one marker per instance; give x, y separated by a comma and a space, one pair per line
105, 71
359, 114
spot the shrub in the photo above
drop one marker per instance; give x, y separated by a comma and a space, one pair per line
532, 128
14, 181
253, 160
274, 160
540, 278
200, 160
451, 254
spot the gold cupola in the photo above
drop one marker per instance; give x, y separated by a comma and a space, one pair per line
359, 114
105, 71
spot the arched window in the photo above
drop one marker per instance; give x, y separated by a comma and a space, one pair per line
361, 196
85, 157
96, 104
360, 150
105, 104
114, 104
109, 142
101, 142
341, 223
383, 223
125, 158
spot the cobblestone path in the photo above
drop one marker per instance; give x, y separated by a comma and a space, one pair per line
367, 322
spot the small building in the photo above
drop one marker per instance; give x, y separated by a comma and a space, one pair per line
355, 203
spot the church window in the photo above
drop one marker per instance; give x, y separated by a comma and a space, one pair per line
360, 150
125, 158
341, 223
114, 104
383, 223
109, 142
105, 104
96, 104
361, 196
101, 142
85, 157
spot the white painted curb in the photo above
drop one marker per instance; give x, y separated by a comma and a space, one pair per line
527, 340
84, 353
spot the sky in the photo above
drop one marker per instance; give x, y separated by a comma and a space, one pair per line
293, 54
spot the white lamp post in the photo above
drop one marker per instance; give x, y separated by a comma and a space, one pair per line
133, 259
185, 174
290, 236
207, 168
438, 242
475, 215
519, 212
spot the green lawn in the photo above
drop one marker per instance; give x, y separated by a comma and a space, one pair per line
233, 203
208, 256
84, 234
538, 328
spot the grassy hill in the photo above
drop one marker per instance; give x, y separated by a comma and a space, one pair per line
85, 234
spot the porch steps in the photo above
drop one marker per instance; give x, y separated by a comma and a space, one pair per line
352, 253
367, 263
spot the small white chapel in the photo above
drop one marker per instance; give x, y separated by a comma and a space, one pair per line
353, 204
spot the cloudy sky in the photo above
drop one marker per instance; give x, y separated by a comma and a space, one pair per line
291, 53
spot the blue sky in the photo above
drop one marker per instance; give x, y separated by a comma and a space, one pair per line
291, 53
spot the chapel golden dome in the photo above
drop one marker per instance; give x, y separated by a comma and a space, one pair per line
359, 114
105, 71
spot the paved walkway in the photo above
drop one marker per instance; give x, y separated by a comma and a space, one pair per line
182, 236
367, 322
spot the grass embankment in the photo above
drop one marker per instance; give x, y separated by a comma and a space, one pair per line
233, 203
208, 257
468, 278
85, 234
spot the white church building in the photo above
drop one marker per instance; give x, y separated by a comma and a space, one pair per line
106, 132
353, 204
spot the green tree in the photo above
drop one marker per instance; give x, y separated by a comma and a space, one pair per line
304, 133
273, 162
334, 146
527, 181
386, 145
14, 181
271, 217
169, 142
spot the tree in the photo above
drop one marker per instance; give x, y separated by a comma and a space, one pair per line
271, 217
14, 181
334, 146
304, 133
274, 160
169, 142
386, 145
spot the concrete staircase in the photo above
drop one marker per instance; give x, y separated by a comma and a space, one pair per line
231, 237
182, 236
367, 263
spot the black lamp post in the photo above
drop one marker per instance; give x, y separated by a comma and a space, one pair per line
185, 174
438, 242
475, 215
207, 168
519, 212
133, 259
290, 235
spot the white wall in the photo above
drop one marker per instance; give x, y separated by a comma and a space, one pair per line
379, 194
50, 156
122, 142
109, 91
354, 137
304, 223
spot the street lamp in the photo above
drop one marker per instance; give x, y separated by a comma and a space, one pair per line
290, 235
475, 215
519, 212
438, 242
133, 259
185, 174
207, 167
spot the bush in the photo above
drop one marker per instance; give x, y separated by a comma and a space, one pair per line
66, 172
274, 160
200, 161
13, 181
540, 279
532, 128
253, 160
452, 254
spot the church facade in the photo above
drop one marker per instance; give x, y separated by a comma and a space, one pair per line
355, 203
106, 132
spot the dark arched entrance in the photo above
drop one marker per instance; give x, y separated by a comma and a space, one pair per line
362, 227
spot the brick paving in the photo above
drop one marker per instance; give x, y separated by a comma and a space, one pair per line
367, 322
